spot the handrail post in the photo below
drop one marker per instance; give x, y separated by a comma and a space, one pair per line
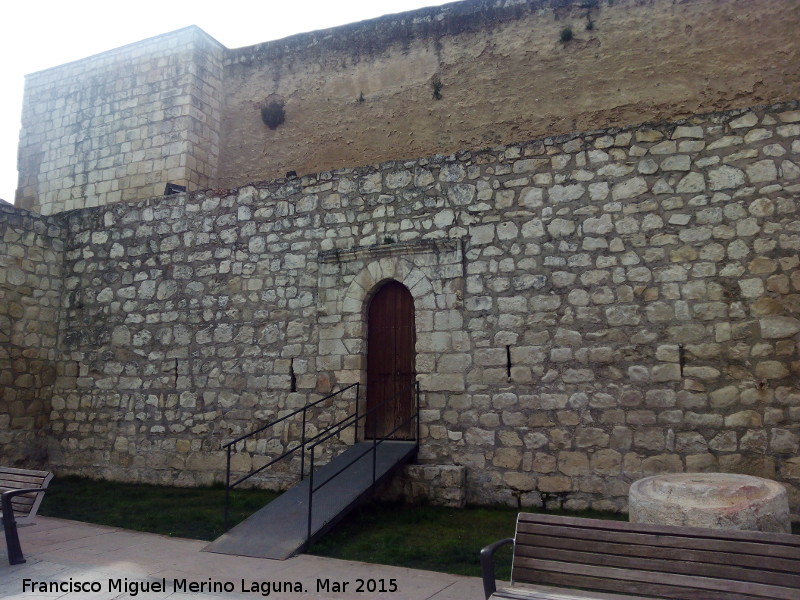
310, 493
374, 457
227, 487
355, 431
416, 386
303, 447
374, 445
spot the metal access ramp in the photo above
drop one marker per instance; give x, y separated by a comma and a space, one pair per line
281, 528
324, 493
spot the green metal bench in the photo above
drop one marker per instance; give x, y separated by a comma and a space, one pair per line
571, 558
22, 492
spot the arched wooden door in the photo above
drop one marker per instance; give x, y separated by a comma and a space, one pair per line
391, 337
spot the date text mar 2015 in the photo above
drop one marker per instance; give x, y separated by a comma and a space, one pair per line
370, 586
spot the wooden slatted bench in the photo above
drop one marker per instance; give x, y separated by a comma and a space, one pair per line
22, 492
620, 560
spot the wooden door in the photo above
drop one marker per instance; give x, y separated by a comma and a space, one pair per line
391, 337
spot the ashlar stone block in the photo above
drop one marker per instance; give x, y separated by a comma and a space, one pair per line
778, 327
629, 189
725, 178
762, 171
574, 464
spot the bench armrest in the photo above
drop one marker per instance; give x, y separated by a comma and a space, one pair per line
5, 499
487, 565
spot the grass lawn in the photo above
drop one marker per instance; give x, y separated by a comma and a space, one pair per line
420, 537
195, 513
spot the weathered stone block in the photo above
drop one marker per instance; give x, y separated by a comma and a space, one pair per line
629, 189
507, 458
725, 178
777, 327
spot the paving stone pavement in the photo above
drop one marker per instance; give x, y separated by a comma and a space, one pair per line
103, 563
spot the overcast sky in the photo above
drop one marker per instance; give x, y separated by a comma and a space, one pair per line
39, 34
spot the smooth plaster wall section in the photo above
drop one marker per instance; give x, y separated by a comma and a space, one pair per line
121, 124
363, 93
31, 261
643, 281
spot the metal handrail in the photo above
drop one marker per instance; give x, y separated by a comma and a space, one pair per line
301, 446
374, 449
291, 414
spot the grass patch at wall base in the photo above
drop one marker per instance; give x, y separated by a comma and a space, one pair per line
195, 513
434, 538
421, 537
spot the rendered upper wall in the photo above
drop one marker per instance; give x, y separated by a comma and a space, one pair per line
181, 108
505, 77
122, 124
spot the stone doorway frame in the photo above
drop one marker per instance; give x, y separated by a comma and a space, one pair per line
432, 271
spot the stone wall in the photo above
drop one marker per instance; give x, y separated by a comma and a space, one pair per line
31, 253
590, 309
181, 108
121, 125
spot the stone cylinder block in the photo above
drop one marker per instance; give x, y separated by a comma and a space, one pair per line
713, 500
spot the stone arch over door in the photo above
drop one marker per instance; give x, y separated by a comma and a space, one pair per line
385, 269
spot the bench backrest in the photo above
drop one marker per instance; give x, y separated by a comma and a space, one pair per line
656, 560
24, 505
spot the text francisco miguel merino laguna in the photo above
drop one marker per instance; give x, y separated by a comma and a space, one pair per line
134, 587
